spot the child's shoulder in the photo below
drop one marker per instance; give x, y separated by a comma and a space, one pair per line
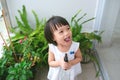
51, 45
75, 46
75, 43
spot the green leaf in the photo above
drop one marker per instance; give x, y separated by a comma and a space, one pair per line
87, 21
81, 17
73, 18
10, 77
37, 20
12, 71
23, 77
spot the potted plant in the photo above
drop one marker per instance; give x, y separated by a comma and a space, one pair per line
86, 39
27, 49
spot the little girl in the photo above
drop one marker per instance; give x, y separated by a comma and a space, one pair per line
59, 36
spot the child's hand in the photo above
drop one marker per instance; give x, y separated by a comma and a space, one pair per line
68, 65
65, 65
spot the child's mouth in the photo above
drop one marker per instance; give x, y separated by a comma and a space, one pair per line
67, 39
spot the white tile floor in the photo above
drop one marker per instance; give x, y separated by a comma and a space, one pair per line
88, 73
110, 58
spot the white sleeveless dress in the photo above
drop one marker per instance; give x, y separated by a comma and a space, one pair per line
57, 73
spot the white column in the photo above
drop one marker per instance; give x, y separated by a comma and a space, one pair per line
106, 20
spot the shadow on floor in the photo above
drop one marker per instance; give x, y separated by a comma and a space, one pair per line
88, 73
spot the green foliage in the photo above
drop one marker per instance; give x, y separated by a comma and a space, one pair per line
27, 49
19, 71
85, 39
24, 27
33, 43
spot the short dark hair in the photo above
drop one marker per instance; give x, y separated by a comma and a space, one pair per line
51, 25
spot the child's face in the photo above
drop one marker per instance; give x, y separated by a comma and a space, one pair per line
63, 35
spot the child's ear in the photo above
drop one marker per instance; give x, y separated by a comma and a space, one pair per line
54, 38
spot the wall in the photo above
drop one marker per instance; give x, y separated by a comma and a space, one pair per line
107, 21
47, 8
116, 32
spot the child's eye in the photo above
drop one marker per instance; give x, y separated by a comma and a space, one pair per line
61, 32
68, 28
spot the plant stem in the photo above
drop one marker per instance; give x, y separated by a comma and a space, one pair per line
4, 41
9, 38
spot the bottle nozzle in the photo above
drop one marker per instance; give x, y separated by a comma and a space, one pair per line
66, 57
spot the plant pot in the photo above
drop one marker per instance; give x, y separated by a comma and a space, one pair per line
41, 73
86, 59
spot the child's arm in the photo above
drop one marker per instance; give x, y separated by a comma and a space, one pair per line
53, 63
78, 58
51, 60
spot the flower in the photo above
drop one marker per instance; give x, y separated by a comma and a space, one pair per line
20, 41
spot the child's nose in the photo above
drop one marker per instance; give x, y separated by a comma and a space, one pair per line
67, 32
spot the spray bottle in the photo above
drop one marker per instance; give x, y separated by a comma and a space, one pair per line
66, 73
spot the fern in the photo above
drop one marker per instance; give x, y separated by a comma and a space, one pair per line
36, 19
23, 24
